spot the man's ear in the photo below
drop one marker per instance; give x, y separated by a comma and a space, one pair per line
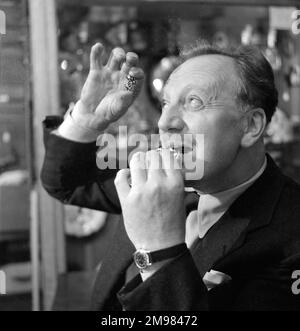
254, 126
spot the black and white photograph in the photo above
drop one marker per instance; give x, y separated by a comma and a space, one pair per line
149, 158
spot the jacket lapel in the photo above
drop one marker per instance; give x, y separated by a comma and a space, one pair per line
251, 211
218, 241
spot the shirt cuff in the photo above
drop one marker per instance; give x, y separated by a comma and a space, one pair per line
72, 130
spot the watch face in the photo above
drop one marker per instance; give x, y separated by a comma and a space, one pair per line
142, 259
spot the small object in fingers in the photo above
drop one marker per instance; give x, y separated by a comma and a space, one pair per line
130, 83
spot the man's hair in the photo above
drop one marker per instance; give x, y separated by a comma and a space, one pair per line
256, 84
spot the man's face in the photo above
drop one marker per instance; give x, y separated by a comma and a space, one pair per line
200, 98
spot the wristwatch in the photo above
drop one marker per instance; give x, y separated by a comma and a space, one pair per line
144, 259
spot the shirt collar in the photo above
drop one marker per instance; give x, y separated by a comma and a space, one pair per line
239, 188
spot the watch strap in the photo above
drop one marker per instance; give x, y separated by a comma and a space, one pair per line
167, 253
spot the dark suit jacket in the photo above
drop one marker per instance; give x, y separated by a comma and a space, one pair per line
256, 242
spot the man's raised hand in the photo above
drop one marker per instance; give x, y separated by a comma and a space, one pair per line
104, 97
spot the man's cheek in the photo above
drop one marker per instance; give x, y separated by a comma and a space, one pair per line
228, 133
220, 148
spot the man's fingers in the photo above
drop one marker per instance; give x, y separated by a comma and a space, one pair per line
132, 60
154, 164
138, 169
172, 163
96, 56
116, 59
122, 183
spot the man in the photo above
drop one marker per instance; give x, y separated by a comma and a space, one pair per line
235, 249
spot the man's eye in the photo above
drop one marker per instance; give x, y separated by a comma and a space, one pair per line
195, 102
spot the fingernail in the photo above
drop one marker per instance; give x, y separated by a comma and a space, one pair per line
119, 52
132, 55
131, 58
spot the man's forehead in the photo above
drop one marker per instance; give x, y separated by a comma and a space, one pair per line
206, 70
205, 61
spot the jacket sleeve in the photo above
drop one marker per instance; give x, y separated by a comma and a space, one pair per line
70, 173
177, 286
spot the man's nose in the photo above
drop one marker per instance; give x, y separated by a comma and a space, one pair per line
171, 121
